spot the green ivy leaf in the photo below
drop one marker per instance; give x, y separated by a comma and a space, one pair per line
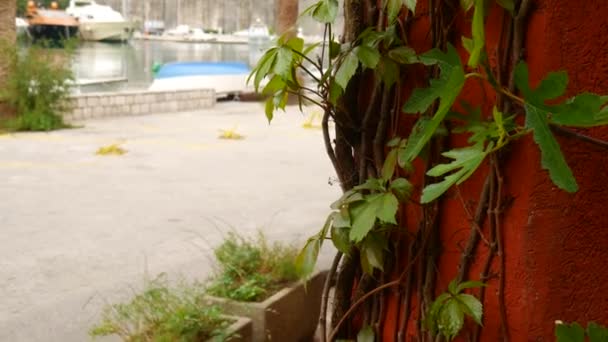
325, 11
275, 85
537, 119
450, 320
269, 109
341, 219
373, 184
403, 55
407, 151
597, 333
446, 88
363, 216
453, 287
390, 163
347, 69
446, 60
388, 70
395, 142
552, 158
509, 5
402, 189
468, 285
466, 4
411, 5
387, 208
466, 161
296, 44
263, 68
584, 110
552, 86
307, 258
479, 38
467, 44
433, 314
471, 306
521, 76
339, 236
393, 9
372, 254
280, 100
347, 198
368, 56
310, 48
334, 49
335, 92
569, 333
366, 335
282, 66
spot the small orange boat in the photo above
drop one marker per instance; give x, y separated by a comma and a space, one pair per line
50, 24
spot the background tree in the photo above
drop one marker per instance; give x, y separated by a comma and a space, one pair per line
7, 31
286, 15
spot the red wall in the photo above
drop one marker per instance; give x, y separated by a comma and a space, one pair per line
556, 243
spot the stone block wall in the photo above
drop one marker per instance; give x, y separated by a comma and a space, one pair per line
101, 105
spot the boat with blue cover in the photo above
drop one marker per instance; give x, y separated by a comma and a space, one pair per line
225, 78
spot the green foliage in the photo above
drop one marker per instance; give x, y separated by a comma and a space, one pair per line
366, 215
537, 119
360, 218
366, 335
479, 38
347, 69
447, 313
38, 86
575, 333
160, 313
446, 89
324, 11
466, 161
252, 270
509, 5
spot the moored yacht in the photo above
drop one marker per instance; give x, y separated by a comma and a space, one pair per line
100, 22
50, 24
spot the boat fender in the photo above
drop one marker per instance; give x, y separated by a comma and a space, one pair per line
156, 68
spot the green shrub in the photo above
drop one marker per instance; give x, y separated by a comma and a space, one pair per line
37, 86
574, 332
161, 314
252, 270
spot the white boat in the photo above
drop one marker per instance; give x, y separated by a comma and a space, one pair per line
226, 78
99, 22
21, 26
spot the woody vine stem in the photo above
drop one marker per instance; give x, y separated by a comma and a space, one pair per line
381, 137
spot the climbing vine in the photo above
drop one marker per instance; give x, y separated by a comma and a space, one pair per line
359, 82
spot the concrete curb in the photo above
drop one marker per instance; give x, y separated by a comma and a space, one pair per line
289, 315
239, 331
129, 103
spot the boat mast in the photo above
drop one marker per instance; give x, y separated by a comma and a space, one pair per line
124, 8
179, 12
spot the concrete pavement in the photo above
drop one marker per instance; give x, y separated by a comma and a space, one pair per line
78, 229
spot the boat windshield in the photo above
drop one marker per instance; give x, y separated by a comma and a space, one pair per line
82, 3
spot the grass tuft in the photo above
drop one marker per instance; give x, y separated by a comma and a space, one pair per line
252, 270
160, 313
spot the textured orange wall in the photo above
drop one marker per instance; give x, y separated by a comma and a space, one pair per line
556, 243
